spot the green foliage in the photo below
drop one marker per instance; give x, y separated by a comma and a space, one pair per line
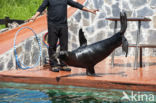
18, 9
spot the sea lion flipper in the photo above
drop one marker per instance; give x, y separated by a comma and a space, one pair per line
82, 39
125, 45
90, 71
123, 22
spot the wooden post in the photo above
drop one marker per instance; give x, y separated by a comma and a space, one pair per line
141, 56
7, 19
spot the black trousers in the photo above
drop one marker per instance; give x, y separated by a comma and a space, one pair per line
56, 33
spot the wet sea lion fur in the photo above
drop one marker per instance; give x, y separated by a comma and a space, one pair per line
87, 56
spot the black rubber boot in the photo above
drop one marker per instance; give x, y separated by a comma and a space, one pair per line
54, 69
65, 68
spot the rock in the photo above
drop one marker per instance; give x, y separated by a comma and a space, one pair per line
101, 24
78, 17
154, 22
145, 12
151, 36
85, 15
90, 30
153, 3
116, 10
28, 45
1, 66
10, 64
98, 3
138, 3
27, 59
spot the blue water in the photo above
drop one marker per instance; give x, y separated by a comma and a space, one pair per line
35, 93
10, 95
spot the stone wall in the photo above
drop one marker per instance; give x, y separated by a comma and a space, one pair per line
28, 52
96, 28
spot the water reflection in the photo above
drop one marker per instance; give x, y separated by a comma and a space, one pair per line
26, 93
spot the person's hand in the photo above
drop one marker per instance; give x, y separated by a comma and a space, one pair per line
90, 10
93, 11
32, 19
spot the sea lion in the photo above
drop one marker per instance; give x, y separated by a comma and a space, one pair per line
87, 56
82, 39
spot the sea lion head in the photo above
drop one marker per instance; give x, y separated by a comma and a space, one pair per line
63, 55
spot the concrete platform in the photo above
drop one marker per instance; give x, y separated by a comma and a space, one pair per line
121, 76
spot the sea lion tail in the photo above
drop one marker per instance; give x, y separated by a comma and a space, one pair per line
123, 21
124, 45
82, 39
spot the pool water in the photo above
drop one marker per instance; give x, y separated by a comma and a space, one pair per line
10, 95
35, 93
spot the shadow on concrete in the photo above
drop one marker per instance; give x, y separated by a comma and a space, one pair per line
144, 64
123, 74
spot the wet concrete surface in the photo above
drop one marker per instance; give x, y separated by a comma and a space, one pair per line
121, 76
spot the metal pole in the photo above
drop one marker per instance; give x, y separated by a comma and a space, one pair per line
137, 43
113, 53
7, 19
141, 57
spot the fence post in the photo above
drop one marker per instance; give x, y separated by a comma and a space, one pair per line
7, 19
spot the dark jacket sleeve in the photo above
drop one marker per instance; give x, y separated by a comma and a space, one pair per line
74, 4
43, 6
